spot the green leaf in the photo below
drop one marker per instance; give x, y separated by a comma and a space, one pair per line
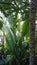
9, 58
25, 27
1, 24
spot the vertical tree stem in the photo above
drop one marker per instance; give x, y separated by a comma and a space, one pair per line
32, 32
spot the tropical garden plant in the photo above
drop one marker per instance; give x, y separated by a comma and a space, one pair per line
15, 27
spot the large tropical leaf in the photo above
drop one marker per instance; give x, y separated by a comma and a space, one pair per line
25, 27
10, 38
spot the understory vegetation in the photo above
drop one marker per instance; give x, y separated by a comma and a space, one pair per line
15, 32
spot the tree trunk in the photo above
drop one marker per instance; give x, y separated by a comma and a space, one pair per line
32, 32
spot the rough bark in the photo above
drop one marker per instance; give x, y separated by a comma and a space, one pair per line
32, 32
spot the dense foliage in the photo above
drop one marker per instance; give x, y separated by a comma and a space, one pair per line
15, 26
